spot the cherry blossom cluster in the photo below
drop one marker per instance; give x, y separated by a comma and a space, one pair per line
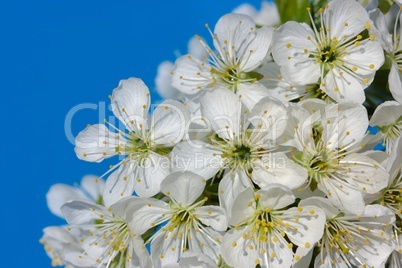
260, 155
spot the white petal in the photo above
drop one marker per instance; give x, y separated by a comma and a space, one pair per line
245, 9
198, 157
301, 71
77, 259
363, 173
234, 28
269, 118
141, 258
290, 40
276, 196
306, 259
395, 82
120, 207
169, 123
331, 259
237, 34
196, 49
268, 14
244, 206
59, 194
258, 44
381, 29
130, 103
184, 187
323, 203
345, 87
251, 93
222, 108
377, 244
307, 228
340, 12
205, 242
299, 129
280, 249
150, 174
190, 75
163, 81
395, 159
145, 213
80, 211
212, 216
347, 198
279, 88
343, 124
96, 143
237, 253
161, 249
278, 168
119, 184
364, 57
93, 186
232, 184
235, 250
386, 113
196, 260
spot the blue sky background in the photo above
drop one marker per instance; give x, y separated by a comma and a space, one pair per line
55, 55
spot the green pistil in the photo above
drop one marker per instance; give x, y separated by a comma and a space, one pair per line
239, 155
329, 54
234, 77
140, 149
99, 201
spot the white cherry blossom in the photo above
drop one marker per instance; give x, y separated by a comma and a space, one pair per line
328, 139
336, 55
388, 118
189, 224
268, 15
354, 241
58, 242
265, 231
91, 188
242, 146
241, 48
107, 240
144, 147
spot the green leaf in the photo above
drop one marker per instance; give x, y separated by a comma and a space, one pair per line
385, 5
293, 10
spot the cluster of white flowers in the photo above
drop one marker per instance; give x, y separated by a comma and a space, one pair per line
260, 157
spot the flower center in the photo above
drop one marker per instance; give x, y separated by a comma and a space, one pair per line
262, 224
328, 52
233, 76
138, 148
240, 155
